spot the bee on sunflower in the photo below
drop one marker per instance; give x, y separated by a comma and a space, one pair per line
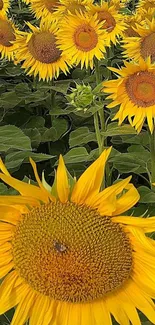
39, 53
134, 91
72, 257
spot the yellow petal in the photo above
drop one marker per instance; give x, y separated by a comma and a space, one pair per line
46, 193
127, 200
22, 311
5, 269
9, 214
24, 188
101, 314
3, 168
39, 310
62, 181
136, 221
90, 181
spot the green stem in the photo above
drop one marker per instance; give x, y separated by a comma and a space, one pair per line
19, 4
97, 131
152, 151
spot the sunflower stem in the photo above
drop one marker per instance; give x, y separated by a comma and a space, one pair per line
152, 152
97, 131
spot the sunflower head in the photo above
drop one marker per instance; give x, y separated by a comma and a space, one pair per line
4, 6
84, 40
40, 52
66, 249
134, 91
111, 21
142, 46
46, 9
132, 21
73, 6
7, 37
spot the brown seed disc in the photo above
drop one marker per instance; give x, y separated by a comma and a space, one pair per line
51, 5
71, 253
141, 88
147, 47
1, 4
6, 33
109, 23
85, 38
43, 47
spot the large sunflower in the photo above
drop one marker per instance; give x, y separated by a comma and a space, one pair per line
134, 91
7, 36
39, 52
83, 40
71, 258
112, 21
142, 46
4, 6
45, 8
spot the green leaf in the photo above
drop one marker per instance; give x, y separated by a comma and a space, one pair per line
113, 129
15, 159
146, 195
81, 136
34, 135
12, 137
126, 163
76, 155
9, 100
58, 129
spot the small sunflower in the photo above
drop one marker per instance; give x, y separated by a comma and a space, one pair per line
4, 6
134, 91
146, 4
71, 258
83, 40
73, 6
39, 52
112, 21
45, 9
132, 21
7, 36
142, 46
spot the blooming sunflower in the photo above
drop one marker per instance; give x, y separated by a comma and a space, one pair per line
112, 21
73, 6
132, 21
7, 36
135, 92
146, 4
71, 258
40, 53
142, 46
83, 40
45, 8
4, 6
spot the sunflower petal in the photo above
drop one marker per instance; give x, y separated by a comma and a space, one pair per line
62, 181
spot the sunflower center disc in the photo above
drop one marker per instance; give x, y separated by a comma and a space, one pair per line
147, 47
109, 23
1, 4
51, 5
71, 253
6, 33
43, 47
141, 88
85, 38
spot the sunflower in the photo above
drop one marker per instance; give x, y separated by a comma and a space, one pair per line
83, 40
132, 21
45, 9
142, 46
4, 6
40, 53
68, 257
146, 4
7, 36
73, 6
112, 21
134, 91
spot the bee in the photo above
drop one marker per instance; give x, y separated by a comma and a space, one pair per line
59, 247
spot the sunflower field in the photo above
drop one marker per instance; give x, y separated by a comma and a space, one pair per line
77, 162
